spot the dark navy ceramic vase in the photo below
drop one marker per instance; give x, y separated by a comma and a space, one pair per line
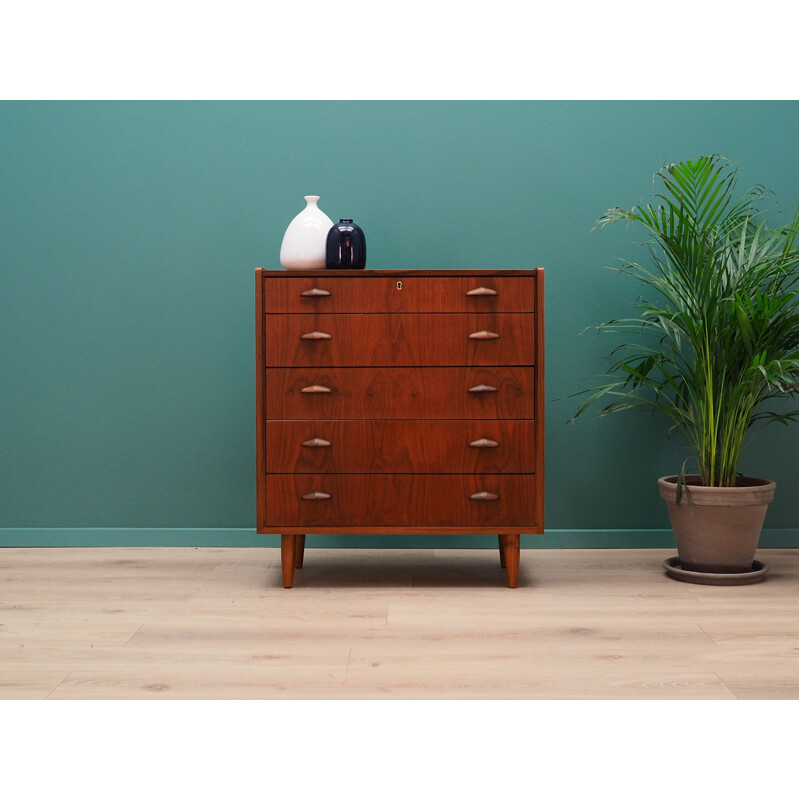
346, 247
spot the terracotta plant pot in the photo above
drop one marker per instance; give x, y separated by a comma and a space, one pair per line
717, 527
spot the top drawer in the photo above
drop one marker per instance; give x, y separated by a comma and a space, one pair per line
368, 293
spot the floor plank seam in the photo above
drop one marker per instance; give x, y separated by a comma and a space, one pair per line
60, 683
128, 640
708, 634
726, 686
196, 592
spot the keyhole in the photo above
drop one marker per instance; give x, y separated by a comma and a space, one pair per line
399, 285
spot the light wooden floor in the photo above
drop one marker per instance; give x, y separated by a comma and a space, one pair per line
212, 623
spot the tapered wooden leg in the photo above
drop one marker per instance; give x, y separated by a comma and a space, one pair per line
299, 550
511, 548
502, 547
288, 550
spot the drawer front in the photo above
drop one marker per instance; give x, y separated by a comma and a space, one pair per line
373, 294
388, 500
398, 393
411, 446
382, 340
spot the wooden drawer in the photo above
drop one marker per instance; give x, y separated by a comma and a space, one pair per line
402, 446
381, 340
399, 500
373, 293
399, 393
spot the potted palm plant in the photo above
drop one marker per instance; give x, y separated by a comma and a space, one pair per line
714, 346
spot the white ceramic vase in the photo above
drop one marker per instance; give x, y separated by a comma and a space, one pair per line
303, 245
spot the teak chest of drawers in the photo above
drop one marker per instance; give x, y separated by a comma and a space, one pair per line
400, 402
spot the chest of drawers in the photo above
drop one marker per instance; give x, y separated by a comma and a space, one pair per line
400, 402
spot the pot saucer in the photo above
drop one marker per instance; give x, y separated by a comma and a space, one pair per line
674, 570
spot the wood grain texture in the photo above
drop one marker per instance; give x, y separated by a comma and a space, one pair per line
381, 274
376, 292
381, 500
300, 549
372, 386
539, 395
400, 393
385, 446
399, 340
214, 623
288, 555
261, 410
402, 530
511, 558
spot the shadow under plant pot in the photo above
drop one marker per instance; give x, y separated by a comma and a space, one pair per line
717, 529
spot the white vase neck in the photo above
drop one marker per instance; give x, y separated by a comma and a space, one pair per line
311, 199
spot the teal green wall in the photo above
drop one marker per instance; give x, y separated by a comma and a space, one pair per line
129, 232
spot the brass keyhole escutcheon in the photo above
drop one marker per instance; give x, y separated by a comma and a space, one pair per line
399, 285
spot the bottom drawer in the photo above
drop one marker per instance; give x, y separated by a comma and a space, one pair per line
399, 500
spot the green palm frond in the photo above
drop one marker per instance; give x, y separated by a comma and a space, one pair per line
716, 336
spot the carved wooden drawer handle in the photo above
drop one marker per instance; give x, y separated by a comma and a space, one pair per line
316, 389
316, 335
484, 443
484, 335
315, 293
481, 387
316, 496
316, 442
481, 291
484, 496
